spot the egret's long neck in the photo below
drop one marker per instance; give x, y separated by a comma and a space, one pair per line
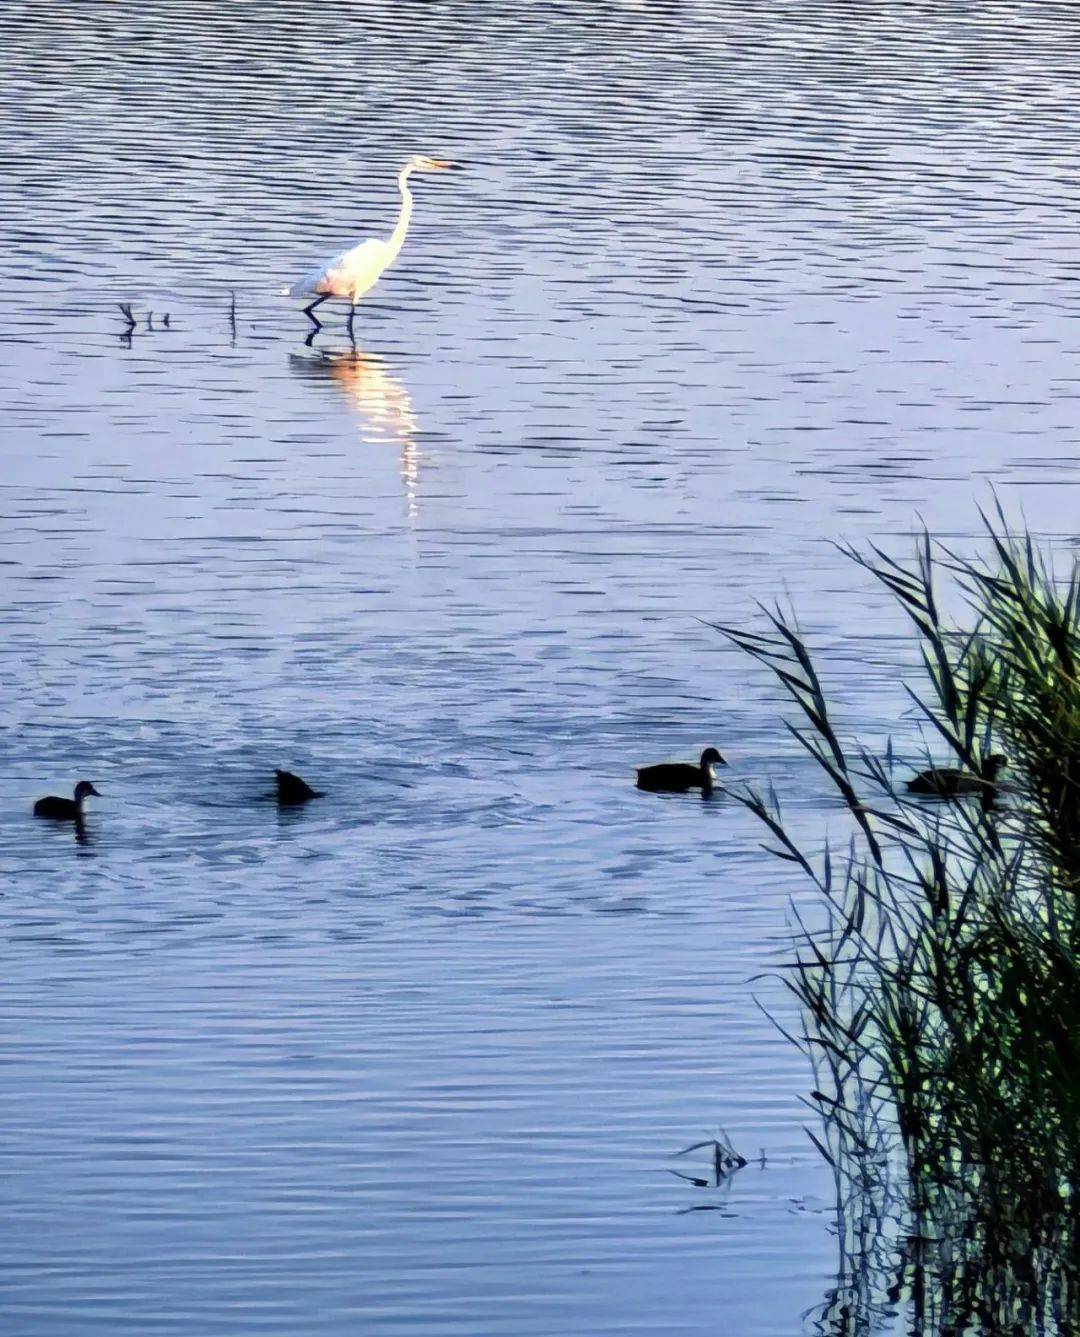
397, 237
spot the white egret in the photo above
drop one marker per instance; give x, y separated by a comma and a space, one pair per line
357, 270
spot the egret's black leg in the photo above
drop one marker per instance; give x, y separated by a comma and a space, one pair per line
349, 322
309, 311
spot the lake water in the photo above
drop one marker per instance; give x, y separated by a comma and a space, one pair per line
718, 284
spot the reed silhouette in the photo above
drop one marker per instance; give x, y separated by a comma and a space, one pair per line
940, 1004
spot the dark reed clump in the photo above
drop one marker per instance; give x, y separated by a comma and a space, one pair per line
941, 1003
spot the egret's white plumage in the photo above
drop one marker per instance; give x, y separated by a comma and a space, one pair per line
357, 270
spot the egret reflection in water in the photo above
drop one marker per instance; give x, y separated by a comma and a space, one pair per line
381, 401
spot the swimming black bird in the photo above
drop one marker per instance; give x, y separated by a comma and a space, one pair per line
65, 809
676, 777
292, 790
946, 782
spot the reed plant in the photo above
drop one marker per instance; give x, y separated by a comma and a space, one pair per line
941, 1000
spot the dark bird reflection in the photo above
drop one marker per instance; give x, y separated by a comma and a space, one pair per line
381, 402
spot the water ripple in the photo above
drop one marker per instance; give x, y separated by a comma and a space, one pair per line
719, 283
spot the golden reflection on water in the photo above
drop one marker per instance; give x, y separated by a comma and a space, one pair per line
381, 402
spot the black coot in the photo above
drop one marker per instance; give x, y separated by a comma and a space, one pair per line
676, 777
291, 790
945, 782
65, 809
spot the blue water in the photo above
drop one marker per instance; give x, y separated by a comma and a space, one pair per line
717, 285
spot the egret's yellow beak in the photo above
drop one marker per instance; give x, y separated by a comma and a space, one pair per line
439, 165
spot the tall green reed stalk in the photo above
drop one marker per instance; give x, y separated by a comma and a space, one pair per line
941, 1002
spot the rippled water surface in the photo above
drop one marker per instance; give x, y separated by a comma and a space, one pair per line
719, 283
